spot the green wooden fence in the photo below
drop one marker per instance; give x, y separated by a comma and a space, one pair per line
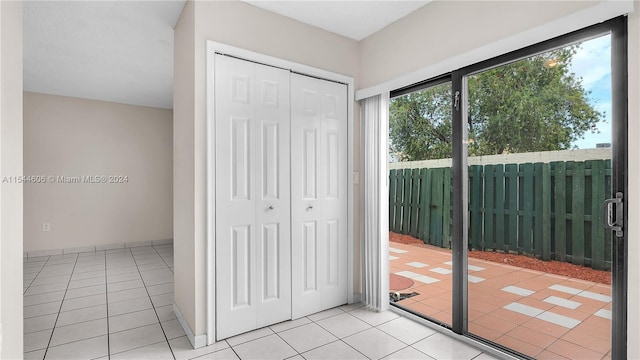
552, 211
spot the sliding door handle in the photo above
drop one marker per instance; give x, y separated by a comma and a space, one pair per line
608, 216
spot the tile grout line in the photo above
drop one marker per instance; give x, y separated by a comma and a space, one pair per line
161, 257
384, 332
280, 337
152, 304
295, 327
234, 351
59, 310
315, 322
35, 277
106, 297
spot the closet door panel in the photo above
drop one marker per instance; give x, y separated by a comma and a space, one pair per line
306, 229
273, 215
253, 249
235, 184
333, 160
319, 175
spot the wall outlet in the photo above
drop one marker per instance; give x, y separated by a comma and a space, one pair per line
46, 227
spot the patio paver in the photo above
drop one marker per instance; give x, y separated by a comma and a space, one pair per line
538, 314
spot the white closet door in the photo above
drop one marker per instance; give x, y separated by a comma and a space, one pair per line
273, 213
318, 194
252, 115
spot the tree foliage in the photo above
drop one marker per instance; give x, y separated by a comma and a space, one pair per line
535, 104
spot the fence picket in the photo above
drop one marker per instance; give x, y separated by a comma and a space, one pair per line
425, 196
538, 199
546, 212
399, 200
527, 208
499, 183
436, 207
446, 202
577, 214
560, 211
392, 200
488, 237
512, 199
406, 200
415, 198
598, 195
475, 196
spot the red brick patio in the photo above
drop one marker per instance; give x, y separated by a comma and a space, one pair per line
541, 315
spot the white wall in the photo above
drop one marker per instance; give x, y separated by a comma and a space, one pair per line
184, 224
238, 24
65, 136
430, 36
11, 337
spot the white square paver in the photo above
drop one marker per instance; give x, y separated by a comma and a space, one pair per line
475, 279
517, 290
426, 279
569, 304
524, 309
558, 319
417, 264
565, 289
475, 268
603, 313
409, 274
595, 296
442, 271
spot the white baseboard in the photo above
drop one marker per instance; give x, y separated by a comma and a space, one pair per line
196, 341
357, 298
87, 249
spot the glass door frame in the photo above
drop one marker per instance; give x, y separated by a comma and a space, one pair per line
423, 85
617, 28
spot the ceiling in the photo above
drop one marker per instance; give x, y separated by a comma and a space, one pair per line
122, 51
118, 51
353, 19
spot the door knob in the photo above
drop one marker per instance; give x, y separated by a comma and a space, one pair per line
310, 207
270, 207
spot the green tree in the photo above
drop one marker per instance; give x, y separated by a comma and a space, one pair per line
535, 104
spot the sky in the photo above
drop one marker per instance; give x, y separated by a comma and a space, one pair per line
592, 63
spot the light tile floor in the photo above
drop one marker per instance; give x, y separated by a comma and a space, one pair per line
117, 304
538, 314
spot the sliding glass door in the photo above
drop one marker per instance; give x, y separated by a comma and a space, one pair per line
420, 200
539, 155
535, 142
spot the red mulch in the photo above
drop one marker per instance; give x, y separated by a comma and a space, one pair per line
523, 261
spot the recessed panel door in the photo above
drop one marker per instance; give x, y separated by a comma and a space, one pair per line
252, 196
318, 194
273, 218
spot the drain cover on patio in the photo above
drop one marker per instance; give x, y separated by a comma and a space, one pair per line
396, 296
397, 282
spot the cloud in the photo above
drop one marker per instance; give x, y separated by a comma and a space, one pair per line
592, 62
